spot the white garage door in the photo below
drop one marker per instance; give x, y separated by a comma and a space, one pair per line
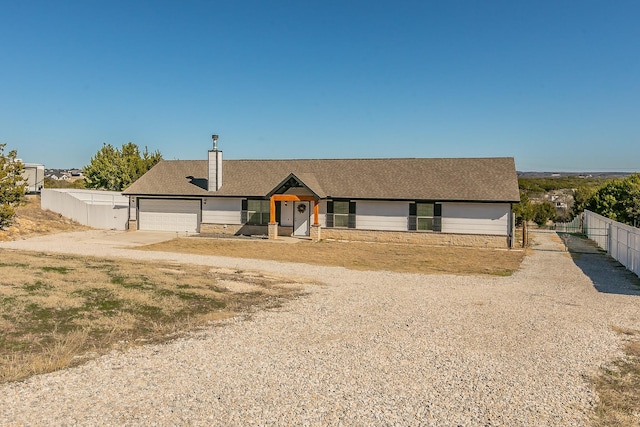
169, 215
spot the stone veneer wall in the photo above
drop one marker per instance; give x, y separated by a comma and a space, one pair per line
233, 229
422, 238
412, 237
238, 229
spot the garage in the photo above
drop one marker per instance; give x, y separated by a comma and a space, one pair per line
169, 215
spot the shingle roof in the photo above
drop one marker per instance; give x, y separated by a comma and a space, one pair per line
459, 179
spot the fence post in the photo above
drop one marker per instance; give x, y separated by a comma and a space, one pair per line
581, 229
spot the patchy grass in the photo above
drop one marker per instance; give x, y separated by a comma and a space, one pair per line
31, 221
618, 386
357, 255
57, 311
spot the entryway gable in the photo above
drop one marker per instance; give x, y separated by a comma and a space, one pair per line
304, 181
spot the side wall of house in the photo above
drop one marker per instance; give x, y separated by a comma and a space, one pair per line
463, 224
380, 215
218, 210
476, 218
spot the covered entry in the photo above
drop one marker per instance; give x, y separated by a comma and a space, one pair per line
169, 215
302, 217
301, 192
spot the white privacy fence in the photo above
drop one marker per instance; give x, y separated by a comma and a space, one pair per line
107, 210
621, 241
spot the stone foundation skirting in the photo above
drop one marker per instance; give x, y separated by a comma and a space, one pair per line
418, 238
242, 229
409, 237
234, 229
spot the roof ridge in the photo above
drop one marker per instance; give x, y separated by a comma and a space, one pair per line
375, 158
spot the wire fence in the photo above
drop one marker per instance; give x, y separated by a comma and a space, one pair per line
621, 241
574, 226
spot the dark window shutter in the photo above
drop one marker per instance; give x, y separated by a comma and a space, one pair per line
437, 217
352, 215
413, 209
278, 212
413, 223
329, 217
243, 214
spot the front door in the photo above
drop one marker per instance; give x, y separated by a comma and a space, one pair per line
301, 218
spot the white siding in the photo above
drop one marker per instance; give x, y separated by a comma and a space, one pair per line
34, 175
218, 210
169, 215
476, 218
377, 215
322, 213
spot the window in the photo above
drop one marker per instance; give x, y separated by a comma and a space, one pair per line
341, 213
256, 212
425, 216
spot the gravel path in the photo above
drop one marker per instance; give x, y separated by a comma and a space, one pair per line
366, 348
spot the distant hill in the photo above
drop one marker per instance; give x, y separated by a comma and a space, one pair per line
573, 174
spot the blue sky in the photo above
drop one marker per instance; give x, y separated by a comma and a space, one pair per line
555, 84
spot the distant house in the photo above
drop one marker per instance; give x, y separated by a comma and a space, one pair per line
459, 201
33, 173
59, 175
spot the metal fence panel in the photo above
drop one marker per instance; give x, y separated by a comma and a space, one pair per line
621, 241
575, 226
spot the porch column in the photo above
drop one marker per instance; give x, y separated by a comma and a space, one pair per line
315, 212
272, 230
315, 233
272, 209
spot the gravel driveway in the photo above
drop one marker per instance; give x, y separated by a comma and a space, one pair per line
364, 348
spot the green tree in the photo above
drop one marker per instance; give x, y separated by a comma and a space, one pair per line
543, 212
12, 185
523, 210
115, 169
52, 183
618, 200
581, 197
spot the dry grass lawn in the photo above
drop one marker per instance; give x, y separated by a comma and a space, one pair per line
357, 255
56, 311
618, 387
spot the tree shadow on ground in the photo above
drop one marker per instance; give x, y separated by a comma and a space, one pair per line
607, 275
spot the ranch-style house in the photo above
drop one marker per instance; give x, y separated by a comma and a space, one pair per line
448, 201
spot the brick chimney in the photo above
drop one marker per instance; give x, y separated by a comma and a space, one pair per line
215, 166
